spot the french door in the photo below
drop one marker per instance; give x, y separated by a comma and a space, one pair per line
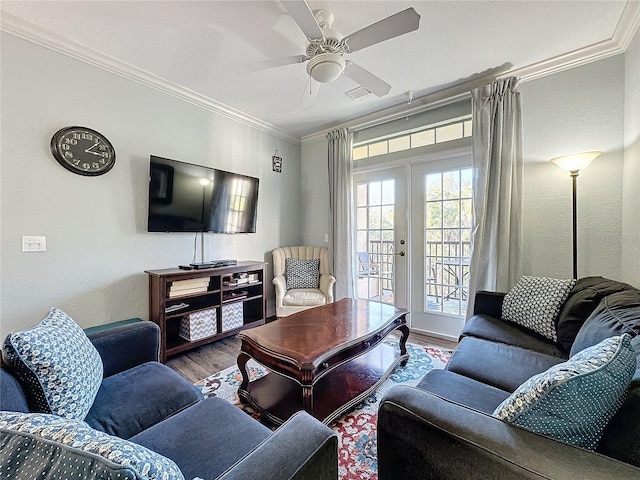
381, 241
441, 205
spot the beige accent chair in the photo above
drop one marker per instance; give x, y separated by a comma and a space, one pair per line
296, 300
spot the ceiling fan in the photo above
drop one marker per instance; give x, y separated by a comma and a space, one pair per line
326, 48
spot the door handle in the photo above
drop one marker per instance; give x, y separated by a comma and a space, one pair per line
401, 253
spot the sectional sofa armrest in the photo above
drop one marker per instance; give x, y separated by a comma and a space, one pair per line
421, 432
488, 303
301, 449
124, 345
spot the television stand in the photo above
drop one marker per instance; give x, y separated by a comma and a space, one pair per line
178, 298
214, 264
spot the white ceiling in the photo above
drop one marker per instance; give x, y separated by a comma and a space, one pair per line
191, 48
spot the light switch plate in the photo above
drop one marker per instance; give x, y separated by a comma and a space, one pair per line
34, 244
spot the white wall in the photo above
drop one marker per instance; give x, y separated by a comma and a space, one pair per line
97, 244
631, 169
315, 196
575, 110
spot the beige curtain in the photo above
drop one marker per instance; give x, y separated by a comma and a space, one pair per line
341, 243
496, 241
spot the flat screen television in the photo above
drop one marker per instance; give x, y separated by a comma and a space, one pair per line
184, 197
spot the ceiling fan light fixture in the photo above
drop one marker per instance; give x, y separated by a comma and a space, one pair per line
326, 67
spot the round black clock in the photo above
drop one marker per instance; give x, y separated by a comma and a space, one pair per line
83, 151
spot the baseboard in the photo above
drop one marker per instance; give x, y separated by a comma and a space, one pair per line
440, 336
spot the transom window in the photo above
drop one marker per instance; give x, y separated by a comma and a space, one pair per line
428, 135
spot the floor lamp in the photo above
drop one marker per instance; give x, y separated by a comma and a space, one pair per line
573, 164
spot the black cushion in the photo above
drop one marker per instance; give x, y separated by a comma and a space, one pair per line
135, 399
496, 330
616, 314
463, 390
625, 424
503, 366
206, 439
585, 296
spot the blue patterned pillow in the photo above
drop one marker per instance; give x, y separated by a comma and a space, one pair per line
58, 363
573, 401
535, 303
78, 437
302, 273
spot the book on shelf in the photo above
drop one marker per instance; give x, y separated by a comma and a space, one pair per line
176, 307
187, 291
194, 282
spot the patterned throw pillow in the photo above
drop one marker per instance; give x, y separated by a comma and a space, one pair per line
535, 302
573, 401
75, 436
302, 273
58, 363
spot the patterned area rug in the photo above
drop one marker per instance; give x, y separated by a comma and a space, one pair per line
356, 429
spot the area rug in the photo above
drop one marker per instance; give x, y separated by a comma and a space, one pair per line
356, 429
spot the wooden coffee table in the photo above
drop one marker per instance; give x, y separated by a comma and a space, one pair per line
324, 360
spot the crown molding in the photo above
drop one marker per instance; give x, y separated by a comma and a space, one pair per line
627, 26
27, 31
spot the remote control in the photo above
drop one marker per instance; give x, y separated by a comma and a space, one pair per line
185, 267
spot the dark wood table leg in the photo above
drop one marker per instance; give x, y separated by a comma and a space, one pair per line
243, 358
307, 398
403, 342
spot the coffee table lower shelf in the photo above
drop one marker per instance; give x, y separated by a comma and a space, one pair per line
277, 397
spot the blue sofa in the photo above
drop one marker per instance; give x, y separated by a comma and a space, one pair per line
147, 403
444, 427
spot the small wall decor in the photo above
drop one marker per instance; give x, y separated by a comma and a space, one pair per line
277, 162
83, 151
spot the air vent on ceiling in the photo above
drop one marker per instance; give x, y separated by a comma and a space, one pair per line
357, 93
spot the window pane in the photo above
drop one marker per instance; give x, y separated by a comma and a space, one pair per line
451, 213
434, 215
466, 183
398, 144
379, 148
387, 216
468, 131
362, 241
434, 235
434, 186
374, 217
361, 218
361, 195
374, 193
451, 184
420, 139
360, 152
388, 192
467, 212
449, 132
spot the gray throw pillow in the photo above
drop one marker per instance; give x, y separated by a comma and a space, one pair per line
535, 302
302, 273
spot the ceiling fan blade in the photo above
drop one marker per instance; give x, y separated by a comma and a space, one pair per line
305, 19
367, 79
403, 22
274, 62
310, 93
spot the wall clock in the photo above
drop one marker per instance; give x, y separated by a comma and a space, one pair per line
83, 151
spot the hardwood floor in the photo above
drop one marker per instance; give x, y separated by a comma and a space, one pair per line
209, 359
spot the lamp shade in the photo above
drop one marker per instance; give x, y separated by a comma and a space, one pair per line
576, 161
